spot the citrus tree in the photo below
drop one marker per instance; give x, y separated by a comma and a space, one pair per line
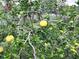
38, 29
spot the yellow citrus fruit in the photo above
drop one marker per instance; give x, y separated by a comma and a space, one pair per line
9, 38
1, 49
43, 23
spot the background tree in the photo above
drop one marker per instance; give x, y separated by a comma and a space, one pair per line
56, 38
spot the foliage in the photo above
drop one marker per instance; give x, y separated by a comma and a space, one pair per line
58, 40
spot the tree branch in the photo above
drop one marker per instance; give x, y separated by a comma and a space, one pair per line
34, 52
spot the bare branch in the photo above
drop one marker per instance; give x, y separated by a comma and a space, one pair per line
28, 39
34, 52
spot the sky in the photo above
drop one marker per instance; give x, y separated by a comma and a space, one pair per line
71, 2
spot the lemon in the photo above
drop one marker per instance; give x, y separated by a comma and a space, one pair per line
9, 38
1, 49
43, 23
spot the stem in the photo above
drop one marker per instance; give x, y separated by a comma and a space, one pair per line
28, 39
34, 52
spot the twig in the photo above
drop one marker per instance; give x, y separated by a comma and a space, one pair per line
24, 43
34, 52
28, 39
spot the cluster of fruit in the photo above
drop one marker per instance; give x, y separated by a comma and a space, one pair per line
8, 39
